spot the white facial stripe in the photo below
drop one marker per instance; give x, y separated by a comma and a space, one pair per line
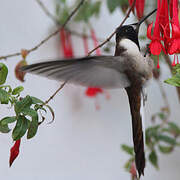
130, 46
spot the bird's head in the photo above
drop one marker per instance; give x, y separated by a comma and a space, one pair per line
131, 31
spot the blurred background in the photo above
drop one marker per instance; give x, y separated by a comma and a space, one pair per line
84, 141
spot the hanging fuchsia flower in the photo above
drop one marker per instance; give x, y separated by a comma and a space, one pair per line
171, 8
174, 42
14, 152
156, 46
139, 7
164, 22
93, 91
66, 43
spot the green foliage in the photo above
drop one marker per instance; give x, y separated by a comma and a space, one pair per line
113, 4
3, 73
17, 90
129, 150
88, 10
27, 110
175, 79
153, 158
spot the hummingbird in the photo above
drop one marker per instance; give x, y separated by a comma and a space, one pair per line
128, 69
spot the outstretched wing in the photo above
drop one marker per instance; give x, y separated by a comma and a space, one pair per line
95, 71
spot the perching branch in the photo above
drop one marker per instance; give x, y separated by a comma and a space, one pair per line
48, 37
51, 97
109, 38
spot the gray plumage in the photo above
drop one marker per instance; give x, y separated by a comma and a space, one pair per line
96, 71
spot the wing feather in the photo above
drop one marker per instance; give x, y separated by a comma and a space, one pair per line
95, 71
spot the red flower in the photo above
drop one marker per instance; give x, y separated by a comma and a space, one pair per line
14, 152
174, 42
155, 46
66, 43
140, 8
164, 22
93, 91
133, 170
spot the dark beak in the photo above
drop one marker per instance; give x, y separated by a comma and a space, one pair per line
137, 25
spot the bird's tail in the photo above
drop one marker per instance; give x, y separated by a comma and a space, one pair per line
134, 95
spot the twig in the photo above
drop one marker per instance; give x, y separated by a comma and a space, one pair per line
109, 38
55, 20
51, 97
48, 37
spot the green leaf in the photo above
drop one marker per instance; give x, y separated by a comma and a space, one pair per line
8, 120
127, 149
23, 104
36, 100
33, 127
4, 128
167, 139
175, 79
64, 15
161, 115
112, 4
7, 86
38, 106
174, 128
17, 90
87, 11
165, 149
127, 165
153, 159
3, 73
4, 97
96, 8
20, 128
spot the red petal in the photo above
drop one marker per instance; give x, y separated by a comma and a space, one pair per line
149, 29
158, 66
130, 3
156, 32
14, 152
66, 43
93, 91
175, 31
140, 8
174, 61
155, 47
133, 170
171, 8
164, 16
173, 47
175, 18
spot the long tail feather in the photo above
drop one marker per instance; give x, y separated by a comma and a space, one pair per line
134, 95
